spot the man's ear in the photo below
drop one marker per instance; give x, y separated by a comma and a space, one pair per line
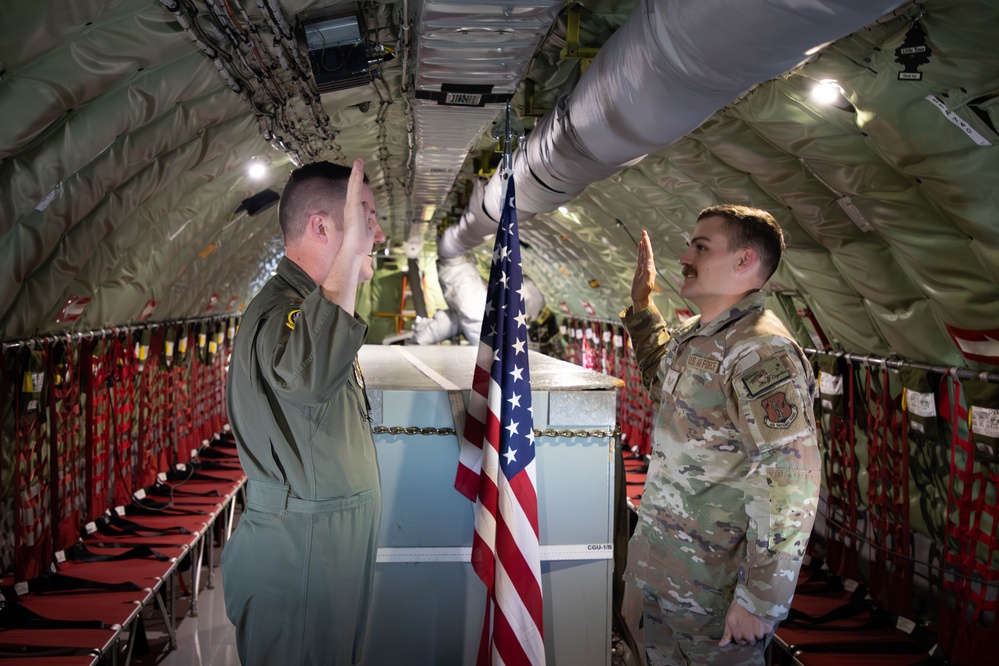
318, 228
747, 261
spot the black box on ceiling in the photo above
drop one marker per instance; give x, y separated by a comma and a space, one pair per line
335, 44
259, 202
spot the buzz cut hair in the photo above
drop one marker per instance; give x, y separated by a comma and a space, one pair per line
320, 187
753, 228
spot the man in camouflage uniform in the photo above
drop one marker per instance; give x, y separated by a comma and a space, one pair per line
734, 478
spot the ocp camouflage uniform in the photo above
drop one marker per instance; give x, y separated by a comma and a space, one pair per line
733, 482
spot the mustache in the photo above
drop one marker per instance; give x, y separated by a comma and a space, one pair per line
688, 271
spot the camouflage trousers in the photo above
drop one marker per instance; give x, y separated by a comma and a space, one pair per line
680, 638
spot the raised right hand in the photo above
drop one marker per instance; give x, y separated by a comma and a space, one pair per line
645, 275
358, 237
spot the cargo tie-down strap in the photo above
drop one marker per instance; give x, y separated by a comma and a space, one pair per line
887, 493
838, 399
971, 577
972, 502
549, 553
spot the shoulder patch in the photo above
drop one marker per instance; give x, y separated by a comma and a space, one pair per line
778, 411
764, 376
292, 319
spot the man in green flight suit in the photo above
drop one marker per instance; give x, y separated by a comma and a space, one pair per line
298, 571
733, 483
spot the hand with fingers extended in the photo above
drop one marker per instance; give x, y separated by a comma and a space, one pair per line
351, 262
358, 232
644, 281
744, 628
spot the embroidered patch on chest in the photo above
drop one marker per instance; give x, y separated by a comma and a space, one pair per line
293, 319
764, 376
702, 363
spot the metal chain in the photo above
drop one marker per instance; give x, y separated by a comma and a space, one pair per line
400, 430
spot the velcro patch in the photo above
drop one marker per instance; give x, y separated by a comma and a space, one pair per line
778, 412
702, 363
764, 376
293, 318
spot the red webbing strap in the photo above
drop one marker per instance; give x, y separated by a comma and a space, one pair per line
218, 413
161, 421
640, 403
969, 576
959, 506
67, 446
150, 418
6, 384
221, 414
841, 473
978, 512
32, 473
122, 400
100, 438
887, 497
184, 396
87, 379
55, 508
572, 350
142, 419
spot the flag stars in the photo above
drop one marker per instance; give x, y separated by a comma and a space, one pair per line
510, 455
514, 400
513, 428
521, 319
518, 346
530, 437
517, 373
504, 279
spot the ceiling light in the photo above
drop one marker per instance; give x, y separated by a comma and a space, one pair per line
563, 210
256, 170
828, 92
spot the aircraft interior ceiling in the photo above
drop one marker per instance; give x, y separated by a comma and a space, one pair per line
127, 128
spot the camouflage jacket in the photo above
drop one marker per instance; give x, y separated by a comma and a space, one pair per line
734, 479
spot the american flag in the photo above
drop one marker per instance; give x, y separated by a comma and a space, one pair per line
496, 464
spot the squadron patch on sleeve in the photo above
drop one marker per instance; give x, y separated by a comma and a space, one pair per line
293, 319
772, 395
778, 411
764, 376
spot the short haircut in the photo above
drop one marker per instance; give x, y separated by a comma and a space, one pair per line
320, 187
751, 227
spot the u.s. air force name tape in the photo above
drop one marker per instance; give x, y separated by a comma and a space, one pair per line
549, 553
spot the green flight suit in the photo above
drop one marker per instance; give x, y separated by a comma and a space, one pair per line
298, 571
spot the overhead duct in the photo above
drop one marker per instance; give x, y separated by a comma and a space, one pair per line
471, 57
667, 69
